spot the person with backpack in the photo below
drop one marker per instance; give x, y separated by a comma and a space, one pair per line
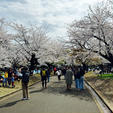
25, 80
44, 77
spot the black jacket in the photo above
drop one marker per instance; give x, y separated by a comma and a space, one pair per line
25, 76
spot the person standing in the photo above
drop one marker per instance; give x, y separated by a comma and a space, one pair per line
68, 77
55, 70
13, 80
10, 76
3, 76
6, 78
25, 80
44, 77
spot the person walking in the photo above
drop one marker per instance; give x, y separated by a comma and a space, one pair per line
25, 80
48, 74
64, 71
58, 72
77, 77
81, 80
44, 77
68, 77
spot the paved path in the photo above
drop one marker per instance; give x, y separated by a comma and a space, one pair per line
54, 99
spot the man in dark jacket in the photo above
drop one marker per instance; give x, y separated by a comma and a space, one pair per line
81, 81
44, 77
25, 81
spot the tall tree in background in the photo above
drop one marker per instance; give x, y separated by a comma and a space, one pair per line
4, 44
30, 40
94, 32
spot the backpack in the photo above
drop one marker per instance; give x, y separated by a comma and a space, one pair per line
43, 72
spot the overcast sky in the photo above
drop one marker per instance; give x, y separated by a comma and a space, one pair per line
54, 15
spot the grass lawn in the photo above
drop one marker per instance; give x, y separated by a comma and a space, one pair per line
103, 84
100, 76
33, 79
5, 91
106, 76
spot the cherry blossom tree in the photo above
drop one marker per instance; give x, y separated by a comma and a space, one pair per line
30, 40
94, 32
4, 44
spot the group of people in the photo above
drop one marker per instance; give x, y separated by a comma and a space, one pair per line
24, 74
7, 78
78, 72
68, 72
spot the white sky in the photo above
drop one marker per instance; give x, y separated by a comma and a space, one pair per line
54, 15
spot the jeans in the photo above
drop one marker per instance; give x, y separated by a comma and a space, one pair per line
81, 82
3, 83
77, 83
48, 78
6, 80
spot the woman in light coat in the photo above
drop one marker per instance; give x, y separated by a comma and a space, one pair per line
68, 78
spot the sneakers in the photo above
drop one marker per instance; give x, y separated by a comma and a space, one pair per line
25, 98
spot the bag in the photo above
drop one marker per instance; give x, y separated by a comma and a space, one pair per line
43, 72
6, 75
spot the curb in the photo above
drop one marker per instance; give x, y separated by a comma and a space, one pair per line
100, 96
17, 90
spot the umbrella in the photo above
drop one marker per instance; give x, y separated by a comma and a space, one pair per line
44, 66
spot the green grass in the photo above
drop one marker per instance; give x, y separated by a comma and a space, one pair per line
105, 76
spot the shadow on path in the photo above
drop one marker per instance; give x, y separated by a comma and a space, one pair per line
10, 104
59, 88
36, 91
